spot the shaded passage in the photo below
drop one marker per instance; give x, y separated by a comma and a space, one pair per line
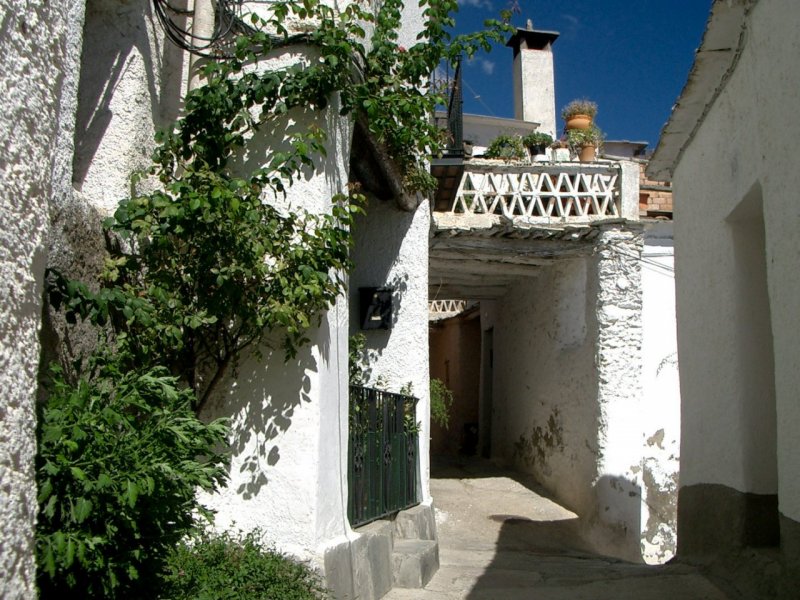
501, 537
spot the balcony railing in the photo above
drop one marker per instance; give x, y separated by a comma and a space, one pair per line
384, 444
538, 192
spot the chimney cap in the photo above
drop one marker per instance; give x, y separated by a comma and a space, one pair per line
534, 40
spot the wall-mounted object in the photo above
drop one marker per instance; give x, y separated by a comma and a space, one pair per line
376, 307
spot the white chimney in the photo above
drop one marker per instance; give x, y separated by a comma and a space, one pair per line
534, 78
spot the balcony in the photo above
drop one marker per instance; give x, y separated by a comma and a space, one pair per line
488, 192
496, 222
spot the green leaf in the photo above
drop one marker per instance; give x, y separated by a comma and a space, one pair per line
83, 507
131, 493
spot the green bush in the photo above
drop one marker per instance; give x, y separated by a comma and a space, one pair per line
506, 147
537, 139
118, 471
441, 401
227, 567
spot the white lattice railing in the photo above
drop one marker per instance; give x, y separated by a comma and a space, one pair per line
438, 310
547, 191
446, 306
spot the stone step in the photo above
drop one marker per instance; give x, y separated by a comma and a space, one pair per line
414, 562
415, 523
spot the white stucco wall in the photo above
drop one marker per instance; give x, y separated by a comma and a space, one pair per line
131, 86
742, 153
534, 88
36, 47
391, 250
288, 470
567, 372
545, 412
618, 362
660, 408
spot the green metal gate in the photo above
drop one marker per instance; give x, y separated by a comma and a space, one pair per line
384, 443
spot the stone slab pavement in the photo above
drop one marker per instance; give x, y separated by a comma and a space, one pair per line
502, 538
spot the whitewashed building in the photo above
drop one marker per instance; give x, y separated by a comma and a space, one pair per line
567, 337
728, 150
85, 87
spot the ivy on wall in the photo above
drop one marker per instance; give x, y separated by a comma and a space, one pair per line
204, 265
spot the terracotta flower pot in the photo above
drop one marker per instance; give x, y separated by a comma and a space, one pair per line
579, 122
587, 154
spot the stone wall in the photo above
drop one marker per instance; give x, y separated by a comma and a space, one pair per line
567, 386
38, 44
618, 311
661, 402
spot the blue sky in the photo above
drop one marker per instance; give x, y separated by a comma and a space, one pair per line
632, 57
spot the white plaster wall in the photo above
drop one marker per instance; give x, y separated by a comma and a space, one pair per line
545, 414
534, 88
744, 143
288, 472
567, 375
618, 362
391, 249
660, 407
35, 47
131, 86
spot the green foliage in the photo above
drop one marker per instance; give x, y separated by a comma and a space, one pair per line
537, 138
356, 350
441, 402
581, 106
506, 147
204, 265
117, 473
591, 136
228, 567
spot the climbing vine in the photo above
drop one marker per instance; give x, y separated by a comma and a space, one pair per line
207, 258
207, 267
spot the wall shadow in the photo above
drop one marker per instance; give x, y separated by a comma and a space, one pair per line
115, 36
261, 400
542, 551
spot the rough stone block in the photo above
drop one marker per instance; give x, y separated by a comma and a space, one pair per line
416, 523
414, 562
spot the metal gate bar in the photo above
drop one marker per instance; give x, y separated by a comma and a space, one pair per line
382, 465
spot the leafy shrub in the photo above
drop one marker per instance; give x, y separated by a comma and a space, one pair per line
441, 401
506, 147
227, 567
355, 354
118, 472
537, 139
578, 138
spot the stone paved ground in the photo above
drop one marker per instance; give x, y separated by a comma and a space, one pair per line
501, 538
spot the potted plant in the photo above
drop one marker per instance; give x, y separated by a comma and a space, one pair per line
560, 149
585, 142
537, 142
579, 114
506, 147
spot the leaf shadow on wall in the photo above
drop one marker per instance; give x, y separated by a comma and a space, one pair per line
262, 401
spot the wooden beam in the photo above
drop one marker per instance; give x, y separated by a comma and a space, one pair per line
484, 268
465, 292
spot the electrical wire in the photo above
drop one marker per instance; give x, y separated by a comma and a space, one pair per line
228, 24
